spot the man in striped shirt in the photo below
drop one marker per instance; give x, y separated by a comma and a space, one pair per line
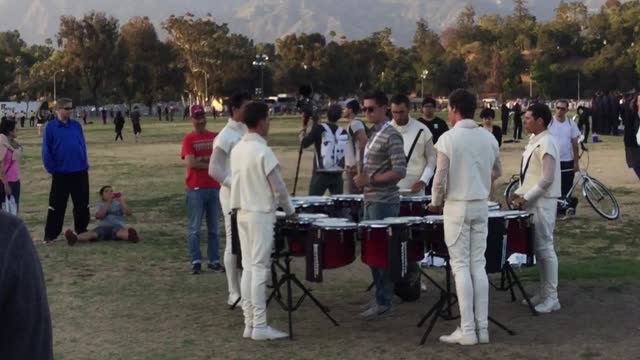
384, 166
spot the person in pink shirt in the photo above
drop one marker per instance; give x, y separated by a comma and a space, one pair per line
10, 153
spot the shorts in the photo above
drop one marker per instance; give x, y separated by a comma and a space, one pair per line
107, 232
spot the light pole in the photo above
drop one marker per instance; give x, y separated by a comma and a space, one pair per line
423, 76
261, 62
55, 90
578, 86
206, 87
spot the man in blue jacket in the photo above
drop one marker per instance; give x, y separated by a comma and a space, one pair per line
64, 153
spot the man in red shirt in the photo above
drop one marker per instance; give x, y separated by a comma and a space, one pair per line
202, 192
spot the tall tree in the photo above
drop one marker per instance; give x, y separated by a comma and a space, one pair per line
89, 44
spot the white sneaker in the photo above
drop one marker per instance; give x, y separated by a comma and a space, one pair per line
547, 306
368, 305
535, 300
423, 285
483, 336
267, 333
248, 330
457, 337
232, 300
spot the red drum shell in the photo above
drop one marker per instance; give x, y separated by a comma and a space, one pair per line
339, 247
375, 244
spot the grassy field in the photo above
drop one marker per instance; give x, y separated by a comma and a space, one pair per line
122, 301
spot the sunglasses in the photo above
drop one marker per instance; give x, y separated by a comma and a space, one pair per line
368, 109
68, 108
561, 108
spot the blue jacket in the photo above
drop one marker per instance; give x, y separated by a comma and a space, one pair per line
64, 149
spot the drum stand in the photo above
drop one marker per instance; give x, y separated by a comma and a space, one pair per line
447, 298
509, 273
290, 279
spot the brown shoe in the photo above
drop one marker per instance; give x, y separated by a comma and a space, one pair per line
133, 235
71, 237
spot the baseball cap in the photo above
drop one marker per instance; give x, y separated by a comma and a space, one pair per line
352, 104
197, 111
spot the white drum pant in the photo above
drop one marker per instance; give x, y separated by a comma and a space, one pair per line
544, 221
230, 260
256, 242
465, 232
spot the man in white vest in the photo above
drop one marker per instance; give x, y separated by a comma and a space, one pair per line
540, 187
468, 163
257, 190
418, 147
220, 170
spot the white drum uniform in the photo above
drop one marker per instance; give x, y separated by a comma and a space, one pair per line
257, 190
422, 164
220, 170
540, 183
468, 161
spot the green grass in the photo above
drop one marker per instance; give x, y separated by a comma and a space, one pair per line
121, 301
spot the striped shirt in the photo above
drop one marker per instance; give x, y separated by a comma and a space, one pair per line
384, 152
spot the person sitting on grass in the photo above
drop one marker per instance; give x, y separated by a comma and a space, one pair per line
110, 212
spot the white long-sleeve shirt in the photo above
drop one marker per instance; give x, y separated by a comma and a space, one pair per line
219, 167
422, 164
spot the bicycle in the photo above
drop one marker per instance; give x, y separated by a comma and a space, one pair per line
597, 194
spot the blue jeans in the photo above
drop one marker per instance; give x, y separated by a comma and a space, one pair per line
199, 203
381, 277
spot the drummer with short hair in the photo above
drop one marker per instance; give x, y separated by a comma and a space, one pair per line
257, 189
468, 163
540, 187
384, 166
418, 146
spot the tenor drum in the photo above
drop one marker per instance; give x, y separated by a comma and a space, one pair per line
349, 206
385, 244
414, 205
333, 246
298, 232
519, 233
313, 205
417, 235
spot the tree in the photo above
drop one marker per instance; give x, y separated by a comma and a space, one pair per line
90, 48
520, 9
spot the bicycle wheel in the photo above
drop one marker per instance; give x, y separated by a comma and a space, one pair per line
510, 190
600, 198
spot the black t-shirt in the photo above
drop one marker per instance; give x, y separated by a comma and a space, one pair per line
437, 127
25, 322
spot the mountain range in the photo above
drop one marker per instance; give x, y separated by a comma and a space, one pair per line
266, 20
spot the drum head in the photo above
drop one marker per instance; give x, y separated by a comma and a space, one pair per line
493, 206
308, 218
348, 197
311, 200
434, 219
406, 220
280, 215
415, 198
339, 224
515, 214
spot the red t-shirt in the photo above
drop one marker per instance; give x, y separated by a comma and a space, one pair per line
199, 145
